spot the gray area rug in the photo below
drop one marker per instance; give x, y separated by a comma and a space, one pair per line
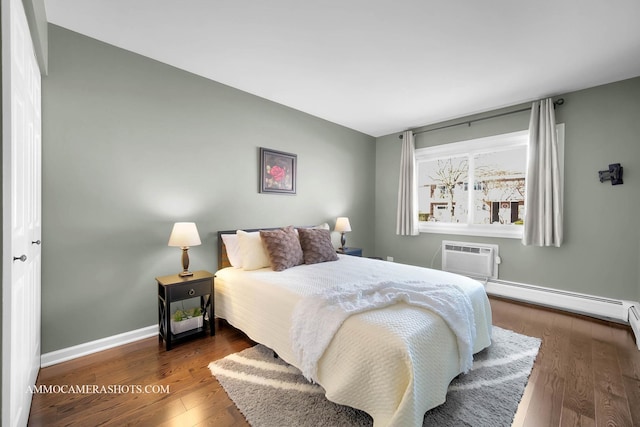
269, 392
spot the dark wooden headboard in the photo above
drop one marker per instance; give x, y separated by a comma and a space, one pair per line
223, 259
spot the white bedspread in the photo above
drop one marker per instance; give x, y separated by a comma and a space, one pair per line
318, 317
394, 363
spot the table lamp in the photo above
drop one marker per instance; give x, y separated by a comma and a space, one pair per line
343, 226
183, 235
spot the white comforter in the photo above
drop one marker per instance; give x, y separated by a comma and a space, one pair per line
394, 363
317, 318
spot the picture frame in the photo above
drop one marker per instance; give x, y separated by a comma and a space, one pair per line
278, 171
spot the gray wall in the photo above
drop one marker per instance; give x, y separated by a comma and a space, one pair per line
601, 252
131, 145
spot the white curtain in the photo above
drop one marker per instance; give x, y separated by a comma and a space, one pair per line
543, 197
407, 215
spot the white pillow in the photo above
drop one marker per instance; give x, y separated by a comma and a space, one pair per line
324, 226
232, 244
254, 255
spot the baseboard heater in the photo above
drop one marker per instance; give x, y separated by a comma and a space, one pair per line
480, 261
619, 311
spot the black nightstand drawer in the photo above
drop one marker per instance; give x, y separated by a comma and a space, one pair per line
190, 290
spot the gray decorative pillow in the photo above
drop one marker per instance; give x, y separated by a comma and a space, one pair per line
316, 245
283, 248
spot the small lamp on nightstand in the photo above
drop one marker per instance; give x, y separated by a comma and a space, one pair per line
342, 226
183, 235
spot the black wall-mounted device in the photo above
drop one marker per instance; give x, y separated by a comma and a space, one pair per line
614, 174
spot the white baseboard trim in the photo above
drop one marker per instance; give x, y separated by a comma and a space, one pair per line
69, 353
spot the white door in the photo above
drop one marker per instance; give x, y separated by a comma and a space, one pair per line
21, 187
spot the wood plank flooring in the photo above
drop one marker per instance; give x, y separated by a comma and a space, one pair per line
586, 374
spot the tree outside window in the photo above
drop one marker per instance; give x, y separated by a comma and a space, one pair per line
469, 185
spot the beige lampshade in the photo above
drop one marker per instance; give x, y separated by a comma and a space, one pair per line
184, 234
342, 224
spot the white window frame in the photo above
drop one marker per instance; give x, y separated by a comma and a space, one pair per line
470, 148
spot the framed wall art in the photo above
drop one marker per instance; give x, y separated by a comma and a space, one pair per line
277, 171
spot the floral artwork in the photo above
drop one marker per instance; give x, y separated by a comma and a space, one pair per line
277, 172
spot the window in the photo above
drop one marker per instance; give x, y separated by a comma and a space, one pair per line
475, 187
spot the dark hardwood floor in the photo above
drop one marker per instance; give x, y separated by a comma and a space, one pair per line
586, 374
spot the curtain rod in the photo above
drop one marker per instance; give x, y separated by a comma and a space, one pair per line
560, 101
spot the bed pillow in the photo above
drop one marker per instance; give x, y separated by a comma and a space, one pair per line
283, 248
254, 255
316, 245
232, 246
324, 226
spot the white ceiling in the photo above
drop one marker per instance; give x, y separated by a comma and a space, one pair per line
377, 66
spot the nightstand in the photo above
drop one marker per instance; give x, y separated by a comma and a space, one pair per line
175, 288
351, 251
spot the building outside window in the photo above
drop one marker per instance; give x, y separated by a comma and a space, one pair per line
475, 187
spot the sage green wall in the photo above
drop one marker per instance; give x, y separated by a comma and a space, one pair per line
131, 145
601, 252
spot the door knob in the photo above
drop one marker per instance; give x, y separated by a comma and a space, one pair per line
37, 242
22, 258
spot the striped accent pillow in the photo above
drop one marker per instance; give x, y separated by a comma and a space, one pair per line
316, 245
283, 248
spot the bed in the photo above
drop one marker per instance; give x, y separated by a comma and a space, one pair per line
394, 361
